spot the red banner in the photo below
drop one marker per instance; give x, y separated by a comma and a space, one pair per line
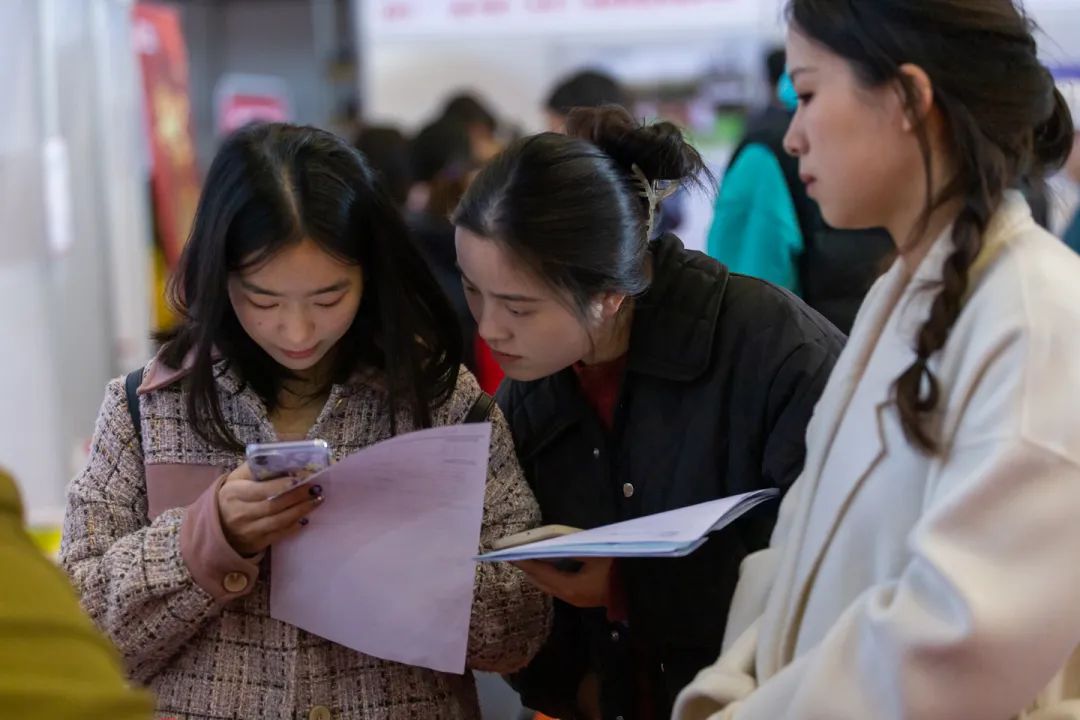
159, 43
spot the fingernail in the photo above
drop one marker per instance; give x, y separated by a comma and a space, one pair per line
304, 521
316, 490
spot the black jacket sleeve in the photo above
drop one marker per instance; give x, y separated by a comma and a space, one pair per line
794, 391
799, 360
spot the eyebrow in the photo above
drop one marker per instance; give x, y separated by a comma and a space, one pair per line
255, 289
500, 296
796, 72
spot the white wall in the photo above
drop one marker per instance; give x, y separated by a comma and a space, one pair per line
62, 334
1059, 21
406, 83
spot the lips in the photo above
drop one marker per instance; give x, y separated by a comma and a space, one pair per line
300, 354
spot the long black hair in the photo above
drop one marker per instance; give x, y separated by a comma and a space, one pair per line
270, 187
573, 207
1005, 121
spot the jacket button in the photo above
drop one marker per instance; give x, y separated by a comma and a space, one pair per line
628, 490
319, 713
614, 636
596, 452
235, 582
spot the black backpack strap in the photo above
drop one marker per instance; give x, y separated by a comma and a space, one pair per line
480, 410
131, 389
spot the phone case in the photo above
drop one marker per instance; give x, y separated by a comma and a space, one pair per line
299, 459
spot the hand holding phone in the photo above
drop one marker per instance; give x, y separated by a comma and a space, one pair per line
587, 586
255, 514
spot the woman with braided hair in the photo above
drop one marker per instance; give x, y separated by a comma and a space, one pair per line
924, 565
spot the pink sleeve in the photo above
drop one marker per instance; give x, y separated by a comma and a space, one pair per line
213, 563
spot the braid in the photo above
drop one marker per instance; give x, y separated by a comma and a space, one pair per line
917, 390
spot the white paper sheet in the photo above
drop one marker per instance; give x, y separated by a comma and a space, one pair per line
385, 566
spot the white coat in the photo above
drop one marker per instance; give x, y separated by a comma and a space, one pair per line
903, 586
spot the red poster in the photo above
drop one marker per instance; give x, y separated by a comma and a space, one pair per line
159, 43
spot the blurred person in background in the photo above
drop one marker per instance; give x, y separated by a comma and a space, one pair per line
643, 377
584, 89
442, 162
479, 122
387, 151
924, 566
54, 664
306, 311
777, 111
765, 225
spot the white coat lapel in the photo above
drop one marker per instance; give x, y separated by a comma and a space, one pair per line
858, 441
849, 422
824, 428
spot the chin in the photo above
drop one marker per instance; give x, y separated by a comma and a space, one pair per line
515, 371
521, 375
520, 371
299, 365
842, 217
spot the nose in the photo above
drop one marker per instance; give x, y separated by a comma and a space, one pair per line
488, 326
297, 328
795, 138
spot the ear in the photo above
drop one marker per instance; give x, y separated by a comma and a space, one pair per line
917, 109
607, 305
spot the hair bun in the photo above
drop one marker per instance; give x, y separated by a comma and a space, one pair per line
659, 149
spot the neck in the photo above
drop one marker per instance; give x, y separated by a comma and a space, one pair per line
914, 234
308, 384
914, 239
612, 339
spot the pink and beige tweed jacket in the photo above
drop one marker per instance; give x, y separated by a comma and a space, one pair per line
144, 546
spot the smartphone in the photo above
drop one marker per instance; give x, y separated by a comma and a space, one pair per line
300, 459
545, 532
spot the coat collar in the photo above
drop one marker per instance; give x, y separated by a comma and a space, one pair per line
159, 375
675, 321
